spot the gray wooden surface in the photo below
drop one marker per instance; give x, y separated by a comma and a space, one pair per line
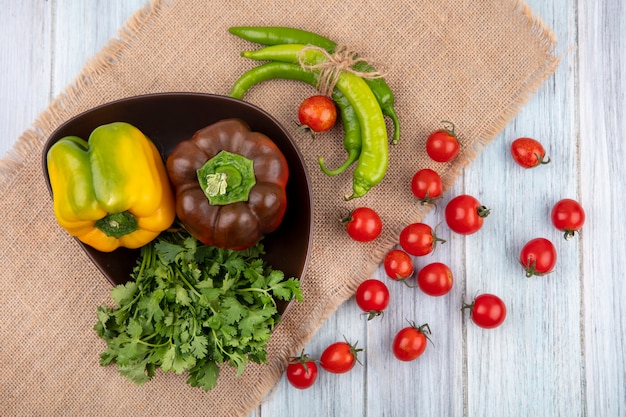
561, 351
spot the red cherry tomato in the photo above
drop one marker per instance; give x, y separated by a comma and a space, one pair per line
301, 371
339, 357
426, 186
317, 113
487, 311
568, 216
372, 296
435, 279
363, 224
410, 342
443, 145
528, 152
465, 215
398, 265
538, 257
419, 239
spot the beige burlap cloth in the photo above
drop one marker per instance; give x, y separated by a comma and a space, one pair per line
472, 62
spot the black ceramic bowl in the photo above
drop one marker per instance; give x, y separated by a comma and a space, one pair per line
167, 119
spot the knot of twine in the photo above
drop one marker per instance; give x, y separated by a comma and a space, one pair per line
343, 59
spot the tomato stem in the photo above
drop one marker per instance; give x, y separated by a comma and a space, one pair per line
531, 269
423, 329
449, 130
354, 351
483, 211
568, 233
303, 359
403, 280
541, 160
373, 314
306, 129
347, 218
436, 238
429, 200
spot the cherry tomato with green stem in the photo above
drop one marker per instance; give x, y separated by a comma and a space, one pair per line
398, 265
301, 371
372, 296
419, 239
363, 224
568, 216
538, 257
465, 215
487, 311
317, 113
528, 153
340, 357
443, 144
435, 279
410, 342
426, 185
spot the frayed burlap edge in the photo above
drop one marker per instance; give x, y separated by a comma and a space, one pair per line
547, 40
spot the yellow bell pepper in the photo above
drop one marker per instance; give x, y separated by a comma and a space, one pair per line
111, 190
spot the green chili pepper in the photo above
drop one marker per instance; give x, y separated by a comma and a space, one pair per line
374, 157
277, 35
283, 70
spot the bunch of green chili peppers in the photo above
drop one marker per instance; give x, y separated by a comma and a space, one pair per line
362, 102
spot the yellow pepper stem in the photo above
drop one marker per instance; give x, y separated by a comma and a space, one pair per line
117, 224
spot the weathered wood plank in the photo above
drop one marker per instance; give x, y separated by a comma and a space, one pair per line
602, 55
531, 364
25, 64
82, 29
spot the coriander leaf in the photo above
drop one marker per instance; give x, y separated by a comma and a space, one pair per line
204, 253
239, 361
172, 361
234, 265
135, 372
103, 316
182, 297
123, 294
204, 375
208, 295
232, 310
129, 351
227, 283
248, 324
275, 277
256, 278
288, 290
199, 346
168, 251
134, 328
121, 316
150, 305
213, 269
191, 245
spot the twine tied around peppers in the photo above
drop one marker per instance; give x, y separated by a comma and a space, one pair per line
343, 59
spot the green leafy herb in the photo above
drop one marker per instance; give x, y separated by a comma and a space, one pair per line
192, 308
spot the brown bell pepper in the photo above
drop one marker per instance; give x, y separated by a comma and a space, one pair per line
230, 184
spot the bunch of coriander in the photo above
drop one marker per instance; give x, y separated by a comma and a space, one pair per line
192, 308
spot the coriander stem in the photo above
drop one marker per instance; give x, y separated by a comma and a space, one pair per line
152, 344
191, 287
